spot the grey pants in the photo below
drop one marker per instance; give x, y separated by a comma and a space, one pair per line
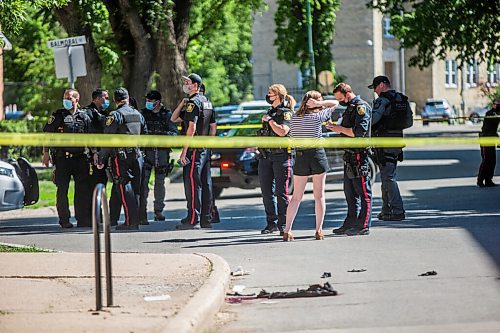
392, 201
159, 190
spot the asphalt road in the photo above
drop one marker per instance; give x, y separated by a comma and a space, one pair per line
452, 228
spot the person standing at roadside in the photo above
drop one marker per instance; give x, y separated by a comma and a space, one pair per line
357, 186
390, 117
275, 164
196, 113
307, 123
70, 161
125, 163
488, 153
158, 122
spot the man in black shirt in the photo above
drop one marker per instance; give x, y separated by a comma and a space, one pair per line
488, 153
199, 119
70, 161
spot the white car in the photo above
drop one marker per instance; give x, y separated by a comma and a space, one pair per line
252, 107
18, 184
438, 109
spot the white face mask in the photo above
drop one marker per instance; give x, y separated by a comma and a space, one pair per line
186, 89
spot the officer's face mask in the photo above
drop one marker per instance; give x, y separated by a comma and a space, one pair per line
344, 102
105, 104
67, 104
150, 106
186, 88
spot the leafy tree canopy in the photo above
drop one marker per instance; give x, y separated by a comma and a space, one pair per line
291, 29
469, 27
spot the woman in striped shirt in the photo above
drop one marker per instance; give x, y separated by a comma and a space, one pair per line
307, 123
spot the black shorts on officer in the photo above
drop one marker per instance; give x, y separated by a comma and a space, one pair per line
310, 162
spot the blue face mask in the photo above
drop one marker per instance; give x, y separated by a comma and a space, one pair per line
67, 104
150, 106
105, 104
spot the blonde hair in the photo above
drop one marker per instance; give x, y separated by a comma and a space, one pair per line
280, 91
73, 93
303, 109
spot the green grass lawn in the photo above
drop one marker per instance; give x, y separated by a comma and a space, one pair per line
7, 248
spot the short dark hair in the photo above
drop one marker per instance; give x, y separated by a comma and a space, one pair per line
343, 88
154, 95
98, 93
121, 94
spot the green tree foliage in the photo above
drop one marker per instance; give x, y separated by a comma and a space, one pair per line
291, 29
14, 12
469, 27
29, 76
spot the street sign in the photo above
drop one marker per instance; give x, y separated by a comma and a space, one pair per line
70, 62
65, 42
325, 78
7, 46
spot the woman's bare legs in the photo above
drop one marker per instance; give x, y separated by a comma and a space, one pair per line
299, 186
319, 200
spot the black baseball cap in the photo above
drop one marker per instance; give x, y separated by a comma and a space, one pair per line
378, 80
195, 78
154, 95
121, 94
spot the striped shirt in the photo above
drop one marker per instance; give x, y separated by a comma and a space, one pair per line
309, 126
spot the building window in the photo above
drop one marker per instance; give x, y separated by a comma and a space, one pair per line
450, 71
493, 73
387, 28
472, 73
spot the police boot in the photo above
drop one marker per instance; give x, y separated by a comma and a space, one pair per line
159, 216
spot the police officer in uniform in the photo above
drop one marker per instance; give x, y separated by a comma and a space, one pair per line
158, 122
125, 163
97, 114
70, 161
387, 158
488, 153
196, 112
275, 164
357, 188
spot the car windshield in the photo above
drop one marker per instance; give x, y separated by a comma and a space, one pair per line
251, 131
255, 108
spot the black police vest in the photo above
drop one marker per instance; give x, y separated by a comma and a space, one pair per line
131, 120
400, 115
206, 110
75, 123
278, 115
157, 123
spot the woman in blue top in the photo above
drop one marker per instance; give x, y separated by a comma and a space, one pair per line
307, 123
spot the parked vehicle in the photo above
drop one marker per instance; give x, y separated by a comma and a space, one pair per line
224, 111
238, 167
252, 107
438, 109
18, 184
476, 115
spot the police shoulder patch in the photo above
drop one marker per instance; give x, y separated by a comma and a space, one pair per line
287, 116
51, 119
190, 107
361, 110
109, 120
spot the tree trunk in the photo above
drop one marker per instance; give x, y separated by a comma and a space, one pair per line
69, 18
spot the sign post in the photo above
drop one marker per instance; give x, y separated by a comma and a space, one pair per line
69, 57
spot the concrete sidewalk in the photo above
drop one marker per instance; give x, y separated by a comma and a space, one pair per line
55, 292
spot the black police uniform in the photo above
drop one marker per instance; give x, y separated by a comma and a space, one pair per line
71, 161
387, 158
97, 124
275, 172
357, 186
196, 174
488, 153
158, 123
125, 165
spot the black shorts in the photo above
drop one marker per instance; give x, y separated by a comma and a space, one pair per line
310, 162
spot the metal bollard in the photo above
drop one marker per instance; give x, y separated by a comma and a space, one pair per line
99, 201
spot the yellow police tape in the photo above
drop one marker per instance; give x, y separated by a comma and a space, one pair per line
123, 140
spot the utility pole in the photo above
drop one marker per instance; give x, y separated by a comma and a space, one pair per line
402, 69
312, 67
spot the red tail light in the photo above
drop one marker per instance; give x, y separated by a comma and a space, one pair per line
225, 165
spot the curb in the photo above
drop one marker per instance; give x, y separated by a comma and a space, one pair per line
206, 302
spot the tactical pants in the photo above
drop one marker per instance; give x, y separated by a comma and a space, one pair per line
275, 175
487, 167
78, 167
126, 188
358, 195
159, 189
198, 186
392, 203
